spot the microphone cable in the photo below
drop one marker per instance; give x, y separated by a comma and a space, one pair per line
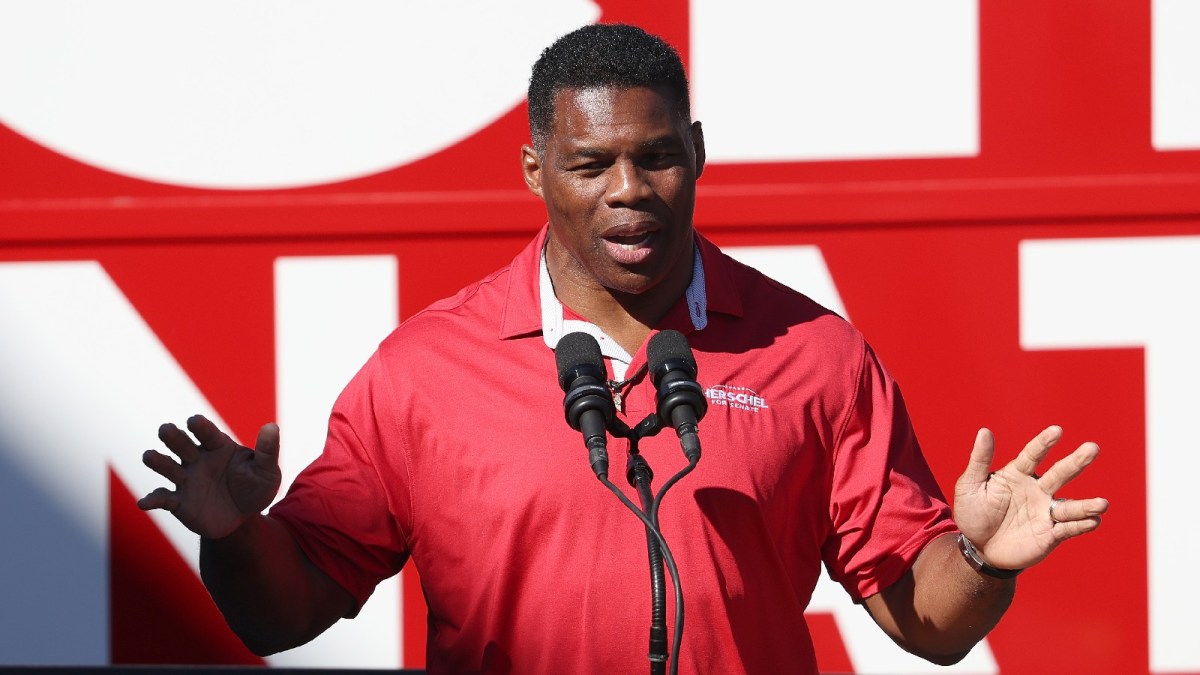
652, 530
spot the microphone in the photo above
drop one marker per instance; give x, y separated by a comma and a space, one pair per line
588, 404
680, 398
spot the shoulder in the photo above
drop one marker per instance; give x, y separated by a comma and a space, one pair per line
480, 300
773, 316
503, 304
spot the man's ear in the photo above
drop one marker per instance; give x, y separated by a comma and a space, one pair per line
531, 168
698, 144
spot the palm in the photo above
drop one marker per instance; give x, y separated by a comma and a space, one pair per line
218, 483
1006, 513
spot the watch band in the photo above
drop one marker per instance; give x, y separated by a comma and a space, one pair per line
972, 557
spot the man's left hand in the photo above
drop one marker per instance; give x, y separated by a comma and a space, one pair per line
1008, 515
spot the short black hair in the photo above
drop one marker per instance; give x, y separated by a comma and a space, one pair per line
603, 55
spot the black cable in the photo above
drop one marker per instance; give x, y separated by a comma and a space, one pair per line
653, 513
652, 528
640, 477
653, 516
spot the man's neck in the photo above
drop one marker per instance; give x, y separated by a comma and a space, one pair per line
626, 318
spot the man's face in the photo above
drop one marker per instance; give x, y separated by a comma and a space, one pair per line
618, 174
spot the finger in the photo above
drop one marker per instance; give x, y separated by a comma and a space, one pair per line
210, 436
1072, 510
979, 467
1035, 450
266, 447
164, 466
178, 442
161, 498
1064, 531
1068, 468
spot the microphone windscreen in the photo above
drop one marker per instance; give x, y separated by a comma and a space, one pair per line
669, 345
574, 352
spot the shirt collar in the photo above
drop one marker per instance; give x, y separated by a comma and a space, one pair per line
555, 324
523, 310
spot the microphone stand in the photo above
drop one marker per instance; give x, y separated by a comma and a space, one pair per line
639, 475
652, 530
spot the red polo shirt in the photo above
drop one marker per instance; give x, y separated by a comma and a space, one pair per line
449, 447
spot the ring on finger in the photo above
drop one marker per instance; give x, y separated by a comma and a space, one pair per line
1054, 503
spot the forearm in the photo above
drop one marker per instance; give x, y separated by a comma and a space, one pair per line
943, 607
268, 591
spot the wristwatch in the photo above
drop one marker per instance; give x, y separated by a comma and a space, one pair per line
972, 557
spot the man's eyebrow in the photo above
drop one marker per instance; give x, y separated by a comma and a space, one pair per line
660, 142
665, 141
589, 153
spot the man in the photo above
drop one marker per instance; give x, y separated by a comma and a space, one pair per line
449, 447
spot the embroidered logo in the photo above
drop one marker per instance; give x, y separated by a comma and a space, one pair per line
740, 398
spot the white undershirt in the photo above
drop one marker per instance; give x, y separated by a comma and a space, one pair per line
555, 325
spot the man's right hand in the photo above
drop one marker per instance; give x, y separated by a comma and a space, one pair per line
218, 483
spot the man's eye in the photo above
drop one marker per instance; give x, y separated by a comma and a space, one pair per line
589, 167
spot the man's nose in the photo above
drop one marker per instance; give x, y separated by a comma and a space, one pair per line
628, 185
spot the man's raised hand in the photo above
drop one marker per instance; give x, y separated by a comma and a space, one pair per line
1007, 513
218, 483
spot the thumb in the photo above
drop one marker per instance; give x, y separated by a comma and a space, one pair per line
266, 446
979, 467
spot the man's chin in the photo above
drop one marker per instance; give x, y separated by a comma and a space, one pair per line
630, 289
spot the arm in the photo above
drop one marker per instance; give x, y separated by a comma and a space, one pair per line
942, 607
269, 592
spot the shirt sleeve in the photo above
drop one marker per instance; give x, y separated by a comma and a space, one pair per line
885, 505
347, 509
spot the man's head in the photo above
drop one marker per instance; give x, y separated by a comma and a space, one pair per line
616, 163
603, 55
